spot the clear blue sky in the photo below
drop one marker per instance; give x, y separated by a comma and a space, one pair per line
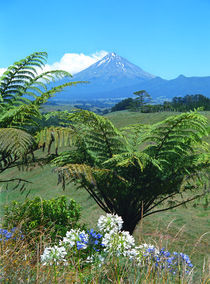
164, 37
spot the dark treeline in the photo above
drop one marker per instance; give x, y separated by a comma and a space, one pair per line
123, 105
186, 103
190, 102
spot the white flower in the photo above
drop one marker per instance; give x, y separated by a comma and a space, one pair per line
110, 223
90, 259
53, 255
118, 243
133, 253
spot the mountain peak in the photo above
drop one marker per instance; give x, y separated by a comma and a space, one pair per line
112, 54
110, 57
113, 67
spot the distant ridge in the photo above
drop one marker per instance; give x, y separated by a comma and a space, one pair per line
115, 77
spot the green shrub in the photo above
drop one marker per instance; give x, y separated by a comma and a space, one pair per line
52, 217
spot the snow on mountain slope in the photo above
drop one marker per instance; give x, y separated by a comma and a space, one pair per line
113, 70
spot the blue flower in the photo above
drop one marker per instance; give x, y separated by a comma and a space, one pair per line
8, 235
190, 264
170, 259
80, 245
14, 229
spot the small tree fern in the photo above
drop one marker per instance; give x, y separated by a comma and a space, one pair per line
132, 171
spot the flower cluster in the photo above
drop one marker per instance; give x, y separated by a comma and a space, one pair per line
173, 262
14, 234
119, 243
53, 255
148, 249
75, 238
86, 244
95, 240
110, 224
94, 247
122, 244
146, 254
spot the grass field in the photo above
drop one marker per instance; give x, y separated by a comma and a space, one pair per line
182, 229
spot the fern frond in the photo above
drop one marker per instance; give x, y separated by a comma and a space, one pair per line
48, 94
102, 138
24, 69
15, 142
33, 91
21, 78
73, 172
61, 136
52, 75
18, 116
139, 160
178, 134
59, 114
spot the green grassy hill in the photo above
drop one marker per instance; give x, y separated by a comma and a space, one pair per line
182, 229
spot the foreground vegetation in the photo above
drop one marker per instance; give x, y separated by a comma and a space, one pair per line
179, 229
106, 255
153, 162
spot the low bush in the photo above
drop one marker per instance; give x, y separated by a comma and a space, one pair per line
54, 217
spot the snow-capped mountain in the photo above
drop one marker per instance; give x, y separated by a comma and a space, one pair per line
110, 73
115, 77
113, 71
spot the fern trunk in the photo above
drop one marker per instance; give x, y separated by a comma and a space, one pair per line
129, 225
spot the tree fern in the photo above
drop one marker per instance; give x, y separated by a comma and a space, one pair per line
132, 171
